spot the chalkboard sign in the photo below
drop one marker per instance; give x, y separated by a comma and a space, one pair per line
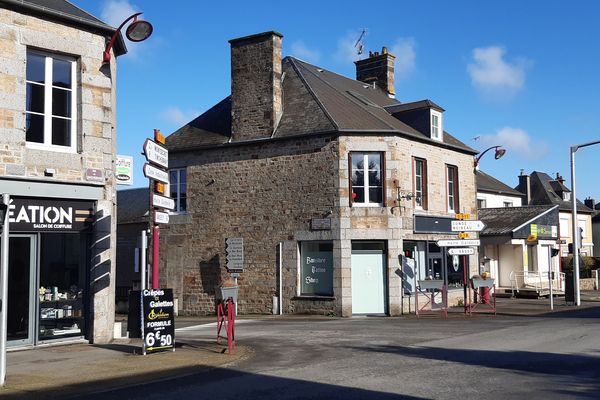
158, 323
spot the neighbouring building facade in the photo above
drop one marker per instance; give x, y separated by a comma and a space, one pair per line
539, 188
329, 181
57, 152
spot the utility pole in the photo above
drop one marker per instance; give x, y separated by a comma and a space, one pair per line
4, 284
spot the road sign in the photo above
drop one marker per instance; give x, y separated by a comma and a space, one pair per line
156, 154
155, 173
235, 253
461, 251
163, 202
458, 243
161, 217
467, 226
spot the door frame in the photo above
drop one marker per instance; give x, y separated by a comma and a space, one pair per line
33, 281
384, 254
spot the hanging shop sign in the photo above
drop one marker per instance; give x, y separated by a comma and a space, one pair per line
158, 321
30, 214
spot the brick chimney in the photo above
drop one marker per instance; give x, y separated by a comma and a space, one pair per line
377, 69
256, 95
525, 187
560, 179
589, 202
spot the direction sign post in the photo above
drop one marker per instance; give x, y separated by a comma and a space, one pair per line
461, 251
458, 242
467, 226
156, 154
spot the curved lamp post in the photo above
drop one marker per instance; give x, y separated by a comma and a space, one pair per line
138, 31
574, 222
499, 153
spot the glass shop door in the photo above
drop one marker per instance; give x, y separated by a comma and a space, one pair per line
21, 315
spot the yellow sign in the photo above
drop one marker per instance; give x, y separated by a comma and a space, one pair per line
463, 235
463, 216
159, 187
534, 229
531, 238
159, 137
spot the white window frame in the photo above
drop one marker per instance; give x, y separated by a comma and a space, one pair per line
437, 131
366, 185
47, 144
177, 184
423, 190
483, 202
452, 205
564, 223
582, 223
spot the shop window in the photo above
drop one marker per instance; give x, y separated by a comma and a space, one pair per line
62, 285
316, 269
420, 183
366, 179
51, 102
178, 189
452, 188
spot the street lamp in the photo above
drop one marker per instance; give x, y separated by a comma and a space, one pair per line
575, 236
136, 32
499, 153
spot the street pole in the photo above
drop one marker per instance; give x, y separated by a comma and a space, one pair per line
4, 293
550, 276
575, 227
143, 262
155, 242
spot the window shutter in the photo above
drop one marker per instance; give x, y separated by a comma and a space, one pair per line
350, 178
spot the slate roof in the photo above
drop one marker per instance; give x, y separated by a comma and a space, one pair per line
504, 220
132, 205
489, 184
66, 12
415, 105
543, 192
315, 101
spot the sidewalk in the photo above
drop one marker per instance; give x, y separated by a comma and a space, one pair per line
80, 369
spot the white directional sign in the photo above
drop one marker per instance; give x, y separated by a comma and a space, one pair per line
458, 242
155, 173
161, 217
467, 226
163, 202
461, 251
235, 253
156, 153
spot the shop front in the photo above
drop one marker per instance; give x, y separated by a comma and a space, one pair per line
48, 264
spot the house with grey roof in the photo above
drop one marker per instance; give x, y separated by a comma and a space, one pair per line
539, 188
58, 140
328, 181
492, 193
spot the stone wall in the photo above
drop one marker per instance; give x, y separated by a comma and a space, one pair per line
265, 193
96, 143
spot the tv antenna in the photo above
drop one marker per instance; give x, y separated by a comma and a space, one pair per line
359, 45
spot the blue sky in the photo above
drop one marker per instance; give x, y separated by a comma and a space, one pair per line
524, 75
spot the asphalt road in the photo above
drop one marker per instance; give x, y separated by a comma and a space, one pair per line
551, 357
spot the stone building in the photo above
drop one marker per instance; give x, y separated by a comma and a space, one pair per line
329, 181
57, 149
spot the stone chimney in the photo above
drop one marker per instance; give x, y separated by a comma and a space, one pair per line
525, 187
256, 94
378, 69
560, 179
589, 202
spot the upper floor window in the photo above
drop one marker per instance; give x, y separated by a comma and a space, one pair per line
420, 183
51, 112
436, 125
508, 204
452, 188
178, 189
366, 178
481, 203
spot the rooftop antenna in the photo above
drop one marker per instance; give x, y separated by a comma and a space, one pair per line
359, 43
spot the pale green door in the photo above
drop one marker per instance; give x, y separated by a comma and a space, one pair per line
368, 279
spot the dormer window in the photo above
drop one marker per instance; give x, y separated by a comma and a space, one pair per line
566, 196
436, 125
